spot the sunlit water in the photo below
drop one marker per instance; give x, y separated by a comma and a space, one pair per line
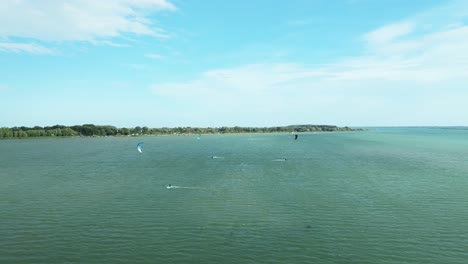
382, 196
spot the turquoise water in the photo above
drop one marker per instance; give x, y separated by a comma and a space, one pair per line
383, 196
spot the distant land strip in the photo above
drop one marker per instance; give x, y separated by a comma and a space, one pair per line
90, 130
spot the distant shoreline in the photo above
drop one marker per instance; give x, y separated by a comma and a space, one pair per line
90, 130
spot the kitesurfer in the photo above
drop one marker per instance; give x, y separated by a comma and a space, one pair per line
139, 147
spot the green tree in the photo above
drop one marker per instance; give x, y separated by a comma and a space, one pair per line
125, 131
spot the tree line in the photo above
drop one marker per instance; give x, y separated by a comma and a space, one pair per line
90, 130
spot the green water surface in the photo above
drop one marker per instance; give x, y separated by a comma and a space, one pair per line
384, 196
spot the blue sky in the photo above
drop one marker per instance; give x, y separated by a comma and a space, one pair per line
193, 63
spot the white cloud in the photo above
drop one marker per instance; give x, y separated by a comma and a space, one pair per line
120, 85
153, 56
388, 33
24, 47
136, 66
80, 20
410, 76
3, 88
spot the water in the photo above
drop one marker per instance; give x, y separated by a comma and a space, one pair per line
383, 196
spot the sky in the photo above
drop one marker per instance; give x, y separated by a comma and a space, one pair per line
211, 63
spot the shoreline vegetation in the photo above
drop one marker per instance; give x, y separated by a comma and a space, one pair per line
90, 130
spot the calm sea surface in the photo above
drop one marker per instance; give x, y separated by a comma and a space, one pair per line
383, 196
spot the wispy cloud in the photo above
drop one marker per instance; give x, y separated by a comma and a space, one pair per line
80, 20
153, 56
24, 47
3, 88
405, 62
389, 33
120, 85
136, 66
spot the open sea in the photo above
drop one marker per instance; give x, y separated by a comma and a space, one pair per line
388, 195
